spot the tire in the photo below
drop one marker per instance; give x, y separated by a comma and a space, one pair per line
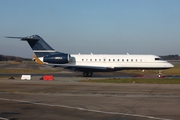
87, 74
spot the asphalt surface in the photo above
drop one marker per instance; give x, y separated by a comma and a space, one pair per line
67, 99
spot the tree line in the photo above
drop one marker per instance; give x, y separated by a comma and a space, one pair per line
12, 58
170, 57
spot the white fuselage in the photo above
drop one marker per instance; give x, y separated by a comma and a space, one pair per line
119, 61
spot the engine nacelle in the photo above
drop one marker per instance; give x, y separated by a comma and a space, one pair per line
61, 58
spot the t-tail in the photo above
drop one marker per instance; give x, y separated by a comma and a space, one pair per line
44, 51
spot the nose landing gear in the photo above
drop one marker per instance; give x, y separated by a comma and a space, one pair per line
160, 74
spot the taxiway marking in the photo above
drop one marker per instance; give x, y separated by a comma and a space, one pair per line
83, 109
1, 118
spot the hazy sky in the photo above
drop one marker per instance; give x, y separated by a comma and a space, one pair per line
97, 26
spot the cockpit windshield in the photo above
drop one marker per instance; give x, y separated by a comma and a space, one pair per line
158, 59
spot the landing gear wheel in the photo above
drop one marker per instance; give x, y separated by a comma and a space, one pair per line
87, 74
90, 74
159, 75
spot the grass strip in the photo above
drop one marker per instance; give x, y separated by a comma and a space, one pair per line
136, 80
172, 71
6, 71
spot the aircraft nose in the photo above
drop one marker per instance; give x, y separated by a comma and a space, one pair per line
170, 65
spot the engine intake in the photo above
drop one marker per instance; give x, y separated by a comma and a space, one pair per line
61, 58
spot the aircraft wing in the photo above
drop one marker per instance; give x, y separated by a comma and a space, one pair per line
82, 67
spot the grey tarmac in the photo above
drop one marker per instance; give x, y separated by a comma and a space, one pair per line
67, 99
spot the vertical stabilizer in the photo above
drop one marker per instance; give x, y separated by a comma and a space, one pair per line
38, 45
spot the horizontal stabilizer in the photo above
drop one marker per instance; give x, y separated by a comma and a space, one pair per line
23, 38
14, 37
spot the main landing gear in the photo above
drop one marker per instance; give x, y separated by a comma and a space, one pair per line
87, 74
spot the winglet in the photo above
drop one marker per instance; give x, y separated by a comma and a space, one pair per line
37, 60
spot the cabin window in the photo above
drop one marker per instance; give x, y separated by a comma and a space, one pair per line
118, 60
82, 59
127, 60
99, 59
95, 60
123, 60
113, 59
109, 60
90, 59
136, 60
104, 59
86, 59
158, 58
131, 60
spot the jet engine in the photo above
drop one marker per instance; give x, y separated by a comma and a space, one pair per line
60, 58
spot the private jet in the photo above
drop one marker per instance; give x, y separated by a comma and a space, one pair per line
90, 63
